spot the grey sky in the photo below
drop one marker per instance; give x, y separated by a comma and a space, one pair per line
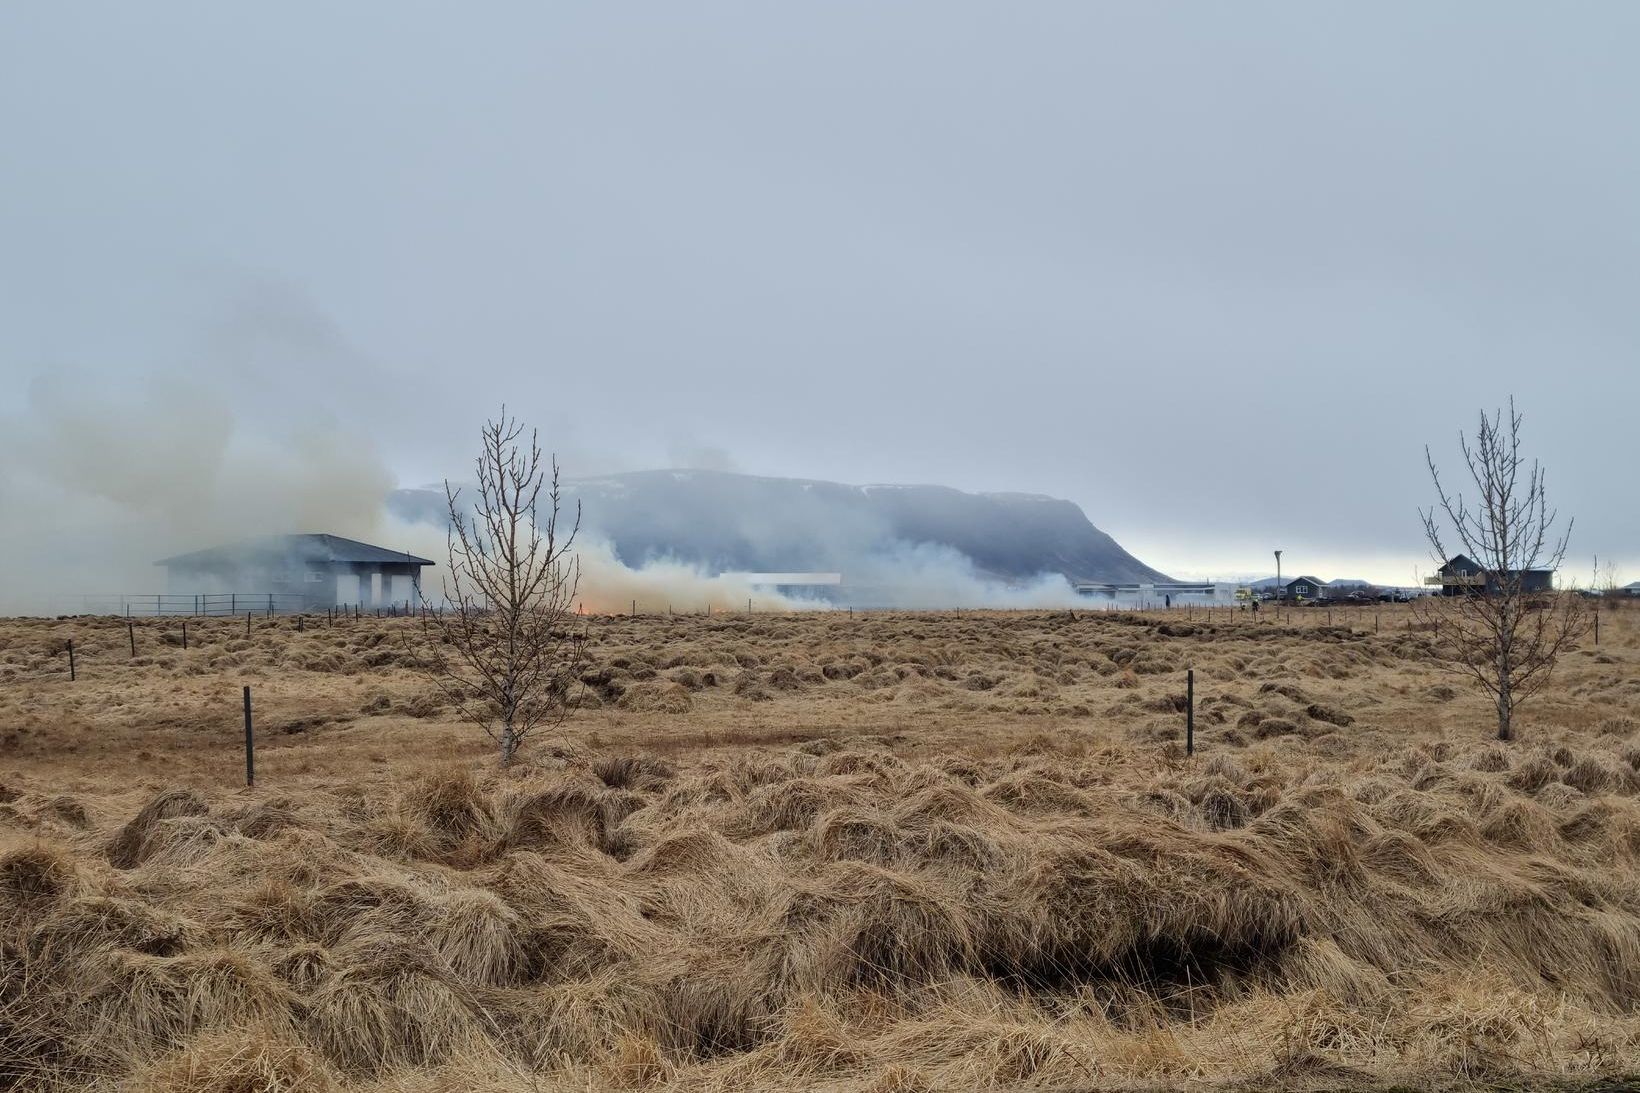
1214, 271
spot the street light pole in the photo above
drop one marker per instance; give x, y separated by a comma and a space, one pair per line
1278, 575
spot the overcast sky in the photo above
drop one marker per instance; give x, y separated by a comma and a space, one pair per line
1216, 272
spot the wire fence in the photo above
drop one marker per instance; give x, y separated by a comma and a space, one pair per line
209, 604
104, 634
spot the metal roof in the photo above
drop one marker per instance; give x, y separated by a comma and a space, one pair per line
1452, 564
309, 548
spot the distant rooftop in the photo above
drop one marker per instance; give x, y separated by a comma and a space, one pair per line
308, 547
785, 578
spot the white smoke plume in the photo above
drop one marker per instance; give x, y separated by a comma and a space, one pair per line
97, 482
932, 576
100, 480
609, 586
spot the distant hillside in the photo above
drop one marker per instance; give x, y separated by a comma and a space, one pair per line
732, 522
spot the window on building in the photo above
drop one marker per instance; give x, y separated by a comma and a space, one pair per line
314, 576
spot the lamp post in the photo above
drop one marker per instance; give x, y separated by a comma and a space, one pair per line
1278, 575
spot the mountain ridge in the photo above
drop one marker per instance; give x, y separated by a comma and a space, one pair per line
727, 522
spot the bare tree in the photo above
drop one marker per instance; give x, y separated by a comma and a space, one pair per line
1606, 578
1501, 632
504, 648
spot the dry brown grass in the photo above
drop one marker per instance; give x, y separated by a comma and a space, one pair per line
887, 852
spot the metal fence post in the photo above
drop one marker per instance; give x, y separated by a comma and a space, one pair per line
250, 742
1190, 711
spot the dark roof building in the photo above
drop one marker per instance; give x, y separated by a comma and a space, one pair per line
1305, 588
308, 571
1463, 574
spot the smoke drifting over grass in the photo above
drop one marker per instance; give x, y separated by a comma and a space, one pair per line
609, 586
933, 575
912, 576
683, 536
97, 483
99, 480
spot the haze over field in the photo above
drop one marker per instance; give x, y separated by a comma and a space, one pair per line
907, 370
1214, 275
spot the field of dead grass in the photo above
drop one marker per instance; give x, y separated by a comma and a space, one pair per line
884, 852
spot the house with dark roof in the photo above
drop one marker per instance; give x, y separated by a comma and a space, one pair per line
1305, 588
1463, 574
312, 570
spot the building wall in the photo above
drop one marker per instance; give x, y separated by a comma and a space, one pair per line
1150, 596
1532, 580
320, 584
1537, 580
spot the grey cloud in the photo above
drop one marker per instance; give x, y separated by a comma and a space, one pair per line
1215, 273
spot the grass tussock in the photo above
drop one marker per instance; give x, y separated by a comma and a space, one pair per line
924, 853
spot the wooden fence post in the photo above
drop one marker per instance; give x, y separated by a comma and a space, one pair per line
131, 633
71, 660
185, 633
247, 624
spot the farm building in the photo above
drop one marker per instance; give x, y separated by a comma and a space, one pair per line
1305, 588
821, 587
1463, 574
302, 571
1160, 593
